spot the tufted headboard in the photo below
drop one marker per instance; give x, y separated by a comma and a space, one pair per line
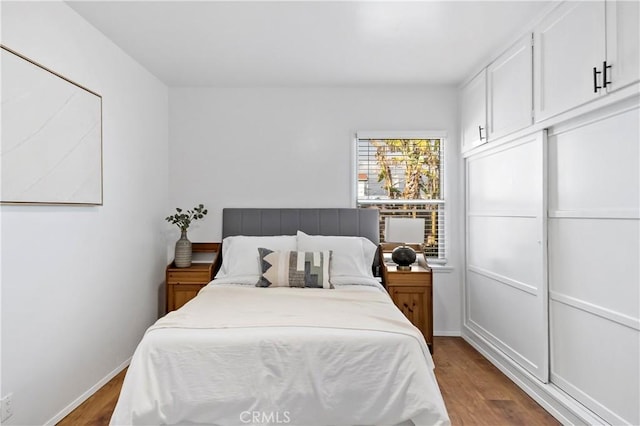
345, 222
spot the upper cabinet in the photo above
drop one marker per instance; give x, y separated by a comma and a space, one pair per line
582, 51
579, 52
623, 43
569, 54
510, 91
499, 100
473, 111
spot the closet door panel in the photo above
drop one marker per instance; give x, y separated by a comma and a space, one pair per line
492, 247
592, 167
507, 180
596, 261
596, 362
506, 287
509, 318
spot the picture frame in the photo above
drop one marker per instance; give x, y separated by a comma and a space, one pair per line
51, 136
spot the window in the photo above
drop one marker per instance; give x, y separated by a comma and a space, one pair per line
402, 175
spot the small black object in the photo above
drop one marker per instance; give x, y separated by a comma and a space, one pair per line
595, 80
403, 256
605, 79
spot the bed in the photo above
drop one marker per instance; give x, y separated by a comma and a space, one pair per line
294, 329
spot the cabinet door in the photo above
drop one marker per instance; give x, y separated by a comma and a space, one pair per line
623, 43
179, 294
473, 112
510, 90
415, 304
569, 43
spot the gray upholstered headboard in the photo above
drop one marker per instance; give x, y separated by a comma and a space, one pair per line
345, 222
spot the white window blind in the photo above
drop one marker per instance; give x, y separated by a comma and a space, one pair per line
402, 176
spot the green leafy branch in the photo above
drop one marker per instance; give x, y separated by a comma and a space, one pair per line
420, 160
183, 220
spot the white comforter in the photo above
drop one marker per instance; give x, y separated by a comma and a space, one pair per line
239, 355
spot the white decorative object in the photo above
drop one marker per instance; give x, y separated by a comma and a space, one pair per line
51, 149
404, 230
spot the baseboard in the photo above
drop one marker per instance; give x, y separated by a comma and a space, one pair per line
82, 398
565, 409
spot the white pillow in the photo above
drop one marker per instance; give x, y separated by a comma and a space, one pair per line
355, 282
352, 256
240, 255
369, 250
242, 280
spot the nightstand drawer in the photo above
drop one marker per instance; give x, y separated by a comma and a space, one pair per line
188, 277
410, 278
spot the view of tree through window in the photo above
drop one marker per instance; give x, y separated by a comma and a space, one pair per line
403, 178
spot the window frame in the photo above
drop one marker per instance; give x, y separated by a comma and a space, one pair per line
422, 134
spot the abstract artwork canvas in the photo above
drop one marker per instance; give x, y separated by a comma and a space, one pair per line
51, 137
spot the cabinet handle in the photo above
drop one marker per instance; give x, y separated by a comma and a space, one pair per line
604, 74
595, 80
480, 128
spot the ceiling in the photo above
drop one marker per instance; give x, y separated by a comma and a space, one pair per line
310, 43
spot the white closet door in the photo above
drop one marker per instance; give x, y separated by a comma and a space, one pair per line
506, 287
594, 264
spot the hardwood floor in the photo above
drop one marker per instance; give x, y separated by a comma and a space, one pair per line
475, 392
96, 411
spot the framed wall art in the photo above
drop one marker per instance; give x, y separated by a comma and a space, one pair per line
51, 136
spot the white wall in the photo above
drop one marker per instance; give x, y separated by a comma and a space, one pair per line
293, 147
81, 284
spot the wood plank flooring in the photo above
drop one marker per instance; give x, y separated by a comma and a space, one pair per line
475, 392
97, 410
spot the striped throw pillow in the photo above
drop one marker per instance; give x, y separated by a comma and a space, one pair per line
294, 268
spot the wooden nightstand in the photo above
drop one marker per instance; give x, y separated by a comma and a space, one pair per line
184, 283
411, 291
